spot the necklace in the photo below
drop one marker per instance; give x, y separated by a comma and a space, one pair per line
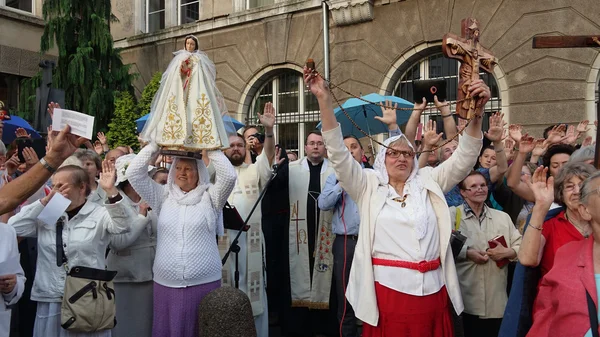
402, 200
579, 228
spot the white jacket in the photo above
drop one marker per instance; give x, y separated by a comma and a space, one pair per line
8, 249
85, 238
370, 195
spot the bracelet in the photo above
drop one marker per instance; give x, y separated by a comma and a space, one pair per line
269, 136
538, 228
47, 166
499, 150
446, 116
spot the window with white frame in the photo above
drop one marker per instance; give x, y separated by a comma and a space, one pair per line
189, 11
22, 5
258, 3
437, 66
155, 15
297, 109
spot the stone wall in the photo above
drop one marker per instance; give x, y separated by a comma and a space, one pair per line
539, 86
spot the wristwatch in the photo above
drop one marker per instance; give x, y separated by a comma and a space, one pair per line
47, 166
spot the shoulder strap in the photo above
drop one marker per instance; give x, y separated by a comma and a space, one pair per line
61, 257
458, 217
593, 314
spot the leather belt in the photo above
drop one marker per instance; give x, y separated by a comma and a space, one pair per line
422, 267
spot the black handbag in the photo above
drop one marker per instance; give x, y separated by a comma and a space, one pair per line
457, 239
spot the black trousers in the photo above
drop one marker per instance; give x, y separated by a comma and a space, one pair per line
477, 327
341, 275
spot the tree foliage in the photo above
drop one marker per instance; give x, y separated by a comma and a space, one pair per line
89, 69
150, 90
122, 128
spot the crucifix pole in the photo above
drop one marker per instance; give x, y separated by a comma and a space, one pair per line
574, 42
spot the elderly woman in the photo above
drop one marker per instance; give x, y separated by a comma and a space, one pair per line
92, 163
132, 256
85, 237
562, 307
403, 271
542, 238
187, 264
481, 265
585, 154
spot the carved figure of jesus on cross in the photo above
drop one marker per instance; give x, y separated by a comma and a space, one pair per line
472, 56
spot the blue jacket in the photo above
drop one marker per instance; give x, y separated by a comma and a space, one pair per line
518, 314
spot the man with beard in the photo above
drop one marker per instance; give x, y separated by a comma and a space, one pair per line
252, 178
310, 245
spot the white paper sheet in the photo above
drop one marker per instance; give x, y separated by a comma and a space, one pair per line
81, 124
54, 209
11, 265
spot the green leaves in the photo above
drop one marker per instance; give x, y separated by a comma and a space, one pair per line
122, 128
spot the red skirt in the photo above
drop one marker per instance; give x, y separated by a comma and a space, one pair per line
402, 315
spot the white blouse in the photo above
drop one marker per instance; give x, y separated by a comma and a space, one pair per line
392, 242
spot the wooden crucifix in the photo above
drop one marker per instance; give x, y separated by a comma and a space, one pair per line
580, 41
472, 56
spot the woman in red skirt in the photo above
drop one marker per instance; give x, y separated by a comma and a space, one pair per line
403, 277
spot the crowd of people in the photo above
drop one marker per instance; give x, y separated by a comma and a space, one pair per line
420, 240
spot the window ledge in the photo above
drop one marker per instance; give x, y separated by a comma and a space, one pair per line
17, 14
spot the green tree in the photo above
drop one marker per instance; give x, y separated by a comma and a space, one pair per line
122, 128
89, 69
150, 90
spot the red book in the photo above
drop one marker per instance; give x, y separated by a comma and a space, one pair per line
502, 241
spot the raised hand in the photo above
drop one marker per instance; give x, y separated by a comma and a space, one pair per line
108, 177
101, 137
540, 147
587, 141
51, 108
22, 133
316, 84
98, 147
12, 164
571, 136
555, 135
31, 158
515, 132
509, 148
496, 131
64, 145
443, 107
388, 114
526, 144
267, 119
582, 127
482, 93
542, 187
430, 135
462, 124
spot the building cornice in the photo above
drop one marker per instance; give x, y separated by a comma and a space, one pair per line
348, 12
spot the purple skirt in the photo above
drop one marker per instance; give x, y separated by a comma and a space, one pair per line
176, 309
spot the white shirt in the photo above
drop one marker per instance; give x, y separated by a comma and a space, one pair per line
9, 249
392, 243
85, 238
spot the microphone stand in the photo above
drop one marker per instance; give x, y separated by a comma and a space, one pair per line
234, 247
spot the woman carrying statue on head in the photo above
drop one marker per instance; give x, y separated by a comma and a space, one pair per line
186, 112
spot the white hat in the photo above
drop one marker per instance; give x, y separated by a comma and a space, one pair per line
121, 166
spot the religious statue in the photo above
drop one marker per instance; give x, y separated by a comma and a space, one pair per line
186, 115
472, 56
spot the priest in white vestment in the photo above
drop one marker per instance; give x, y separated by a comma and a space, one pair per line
252, 179
12, 278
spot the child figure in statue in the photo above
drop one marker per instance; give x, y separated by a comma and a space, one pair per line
186, 112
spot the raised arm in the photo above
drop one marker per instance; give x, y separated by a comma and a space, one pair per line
268, 121
430, 140
449, 124
349, 172
496, 133
137, 175
452, 171
413, 121
513, 180
530, 253
225, 178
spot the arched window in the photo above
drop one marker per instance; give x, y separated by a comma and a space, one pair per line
437, 66
296, 108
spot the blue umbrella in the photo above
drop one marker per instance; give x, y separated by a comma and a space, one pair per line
236, 124
364, 113
11, 125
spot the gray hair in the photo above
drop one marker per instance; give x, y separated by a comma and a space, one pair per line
87, 154
2, 149
583, 154
570, 170
587, 189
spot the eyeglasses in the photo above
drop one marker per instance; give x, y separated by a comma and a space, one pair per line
571, 187
396, 154
476, 188
318, 144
